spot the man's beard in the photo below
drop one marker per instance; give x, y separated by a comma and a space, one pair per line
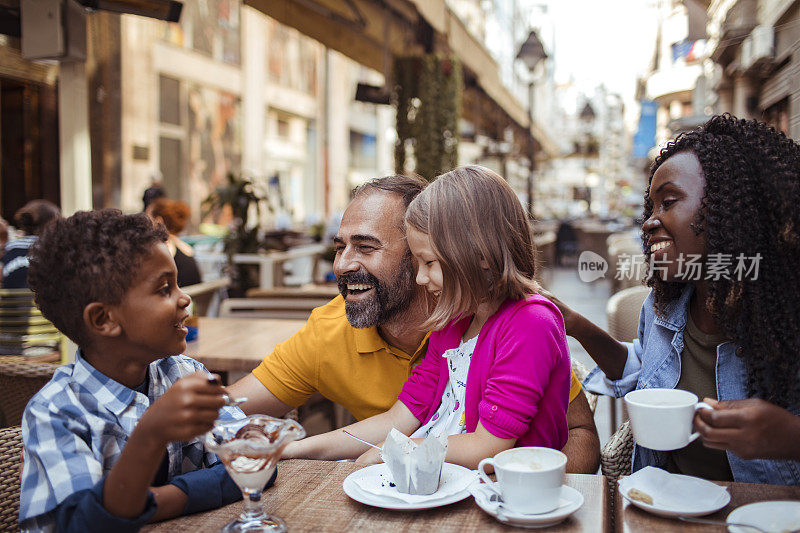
388, 299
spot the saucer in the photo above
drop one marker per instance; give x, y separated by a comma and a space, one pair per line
444, 496
674, 494
770, 516
489, 501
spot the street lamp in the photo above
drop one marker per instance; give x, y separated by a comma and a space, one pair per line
531, 53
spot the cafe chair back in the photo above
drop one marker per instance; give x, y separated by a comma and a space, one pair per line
622, 312
581, 372
289, 308
616, 456
10, 463
207, 295
622, 315
20, 379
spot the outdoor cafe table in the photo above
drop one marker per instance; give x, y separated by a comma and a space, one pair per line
630, 519
308, 496
238, 344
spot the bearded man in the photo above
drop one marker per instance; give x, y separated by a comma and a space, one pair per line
359, 349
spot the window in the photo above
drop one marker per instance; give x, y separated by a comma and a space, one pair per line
283, 128
777, 115
169, 100
292, 59
211, 27
363, 153
171, 165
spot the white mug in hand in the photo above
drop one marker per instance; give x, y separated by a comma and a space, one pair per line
661, 419
528, 479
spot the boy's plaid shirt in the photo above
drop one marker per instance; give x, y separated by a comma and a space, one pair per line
75, 428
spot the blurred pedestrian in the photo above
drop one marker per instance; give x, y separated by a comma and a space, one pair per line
566, 242
175, 214
30, 220
151, 194
3, 233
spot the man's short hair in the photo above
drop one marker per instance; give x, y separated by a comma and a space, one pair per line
408, 187
92, 256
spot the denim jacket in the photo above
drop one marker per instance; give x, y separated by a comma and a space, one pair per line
654, 361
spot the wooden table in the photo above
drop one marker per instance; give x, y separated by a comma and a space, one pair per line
238, 344
308, 496
630, 519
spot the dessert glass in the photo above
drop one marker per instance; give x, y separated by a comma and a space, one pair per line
250, 448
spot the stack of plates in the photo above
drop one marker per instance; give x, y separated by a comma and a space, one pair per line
23, 329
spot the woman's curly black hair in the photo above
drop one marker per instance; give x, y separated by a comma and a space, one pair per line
751, 205
92, 256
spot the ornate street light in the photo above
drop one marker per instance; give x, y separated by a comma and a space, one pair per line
531, 53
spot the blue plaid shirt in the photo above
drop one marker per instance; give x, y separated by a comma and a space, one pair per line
75, 428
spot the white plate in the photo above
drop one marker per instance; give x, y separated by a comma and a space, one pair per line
662, 510
489, 501
769, 516
352, 489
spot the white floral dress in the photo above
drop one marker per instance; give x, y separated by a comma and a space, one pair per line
449, 418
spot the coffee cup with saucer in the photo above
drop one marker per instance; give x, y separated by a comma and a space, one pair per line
529, 488
492, 504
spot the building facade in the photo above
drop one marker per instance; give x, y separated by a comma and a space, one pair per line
754, 46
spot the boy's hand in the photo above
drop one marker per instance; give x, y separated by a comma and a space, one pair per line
188, 409
751, 428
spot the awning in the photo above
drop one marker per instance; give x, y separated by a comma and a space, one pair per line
372, 32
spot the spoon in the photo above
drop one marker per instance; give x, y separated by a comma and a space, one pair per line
233, 402
724, 523
362, 440
502, 509
229, 402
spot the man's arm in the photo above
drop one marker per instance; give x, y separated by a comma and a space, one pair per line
260, 399
583, 444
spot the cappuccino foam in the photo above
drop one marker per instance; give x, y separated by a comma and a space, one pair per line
523, 465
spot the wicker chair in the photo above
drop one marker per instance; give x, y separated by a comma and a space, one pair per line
20, 379
622, 313
615, 458
10, 454
581, 372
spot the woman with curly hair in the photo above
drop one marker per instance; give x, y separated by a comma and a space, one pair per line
720, 235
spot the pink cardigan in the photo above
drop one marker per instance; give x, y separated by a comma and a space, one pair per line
518, 379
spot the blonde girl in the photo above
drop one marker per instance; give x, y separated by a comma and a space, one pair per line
497, 370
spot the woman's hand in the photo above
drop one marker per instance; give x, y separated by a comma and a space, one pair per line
752, 429
570, 317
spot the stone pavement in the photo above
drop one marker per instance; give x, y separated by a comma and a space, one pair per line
588, 299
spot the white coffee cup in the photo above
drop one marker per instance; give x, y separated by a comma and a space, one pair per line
661, 419
528, 479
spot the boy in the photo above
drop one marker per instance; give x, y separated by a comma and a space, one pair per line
96, 434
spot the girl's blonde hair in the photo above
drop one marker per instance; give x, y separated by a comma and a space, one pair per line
472, 216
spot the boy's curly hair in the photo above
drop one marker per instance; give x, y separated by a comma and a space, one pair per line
751, 205
92, 256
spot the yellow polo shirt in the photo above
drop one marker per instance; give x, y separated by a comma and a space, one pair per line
353, 367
